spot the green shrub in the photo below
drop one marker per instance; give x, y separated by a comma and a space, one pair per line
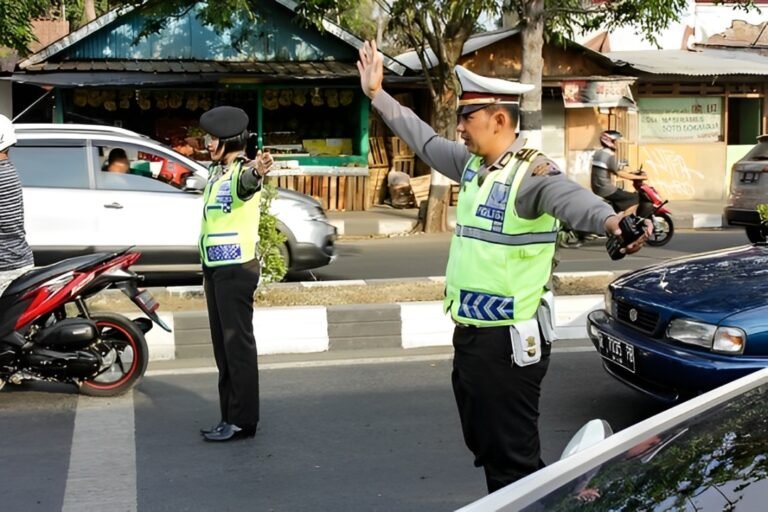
273, 267
762, 209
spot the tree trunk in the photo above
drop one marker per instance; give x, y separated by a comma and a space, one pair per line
532, 69
509, 17
381, 24
89, 10
443, 120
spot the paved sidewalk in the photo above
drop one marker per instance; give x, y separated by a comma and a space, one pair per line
384, 220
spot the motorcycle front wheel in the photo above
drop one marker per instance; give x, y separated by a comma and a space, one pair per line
663, 229
127, 358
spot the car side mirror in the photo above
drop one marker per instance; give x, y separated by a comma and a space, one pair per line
590, 434
194, 183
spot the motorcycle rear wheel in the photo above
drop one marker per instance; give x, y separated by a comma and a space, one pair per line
132, 356
663, 235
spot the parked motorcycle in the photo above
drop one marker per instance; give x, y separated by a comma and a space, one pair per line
47, 332
650, 200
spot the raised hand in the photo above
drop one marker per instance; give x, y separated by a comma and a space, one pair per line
263, 163
371, 68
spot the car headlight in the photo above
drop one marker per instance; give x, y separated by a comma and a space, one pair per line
691, 332
316, 213
730, 340
608, 300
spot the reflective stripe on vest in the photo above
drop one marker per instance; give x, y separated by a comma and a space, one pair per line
230, 229
499, 263
501, 238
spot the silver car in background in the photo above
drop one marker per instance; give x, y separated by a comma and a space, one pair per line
73, 206
749, 187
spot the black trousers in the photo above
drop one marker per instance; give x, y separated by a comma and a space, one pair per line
498, 403
229, 295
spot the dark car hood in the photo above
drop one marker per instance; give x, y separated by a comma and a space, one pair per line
726, 281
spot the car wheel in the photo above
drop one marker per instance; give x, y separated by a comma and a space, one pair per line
285, 253
755, 234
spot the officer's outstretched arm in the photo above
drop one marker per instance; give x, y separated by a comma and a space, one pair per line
446, 156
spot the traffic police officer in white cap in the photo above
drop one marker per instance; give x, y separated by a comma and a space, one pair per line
501, 259
228, 239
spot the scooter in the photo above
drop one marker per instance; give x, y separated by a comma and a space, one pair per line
47, 332
649, 200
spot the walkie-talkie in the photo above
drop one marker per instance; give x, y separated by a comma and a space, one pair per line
632, 228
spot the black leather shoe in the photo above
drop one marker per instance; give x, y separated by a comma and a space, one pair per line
211, 430
230, 432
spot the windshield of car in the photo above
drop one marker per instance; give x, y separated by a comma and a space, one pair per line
759, 152
712, 462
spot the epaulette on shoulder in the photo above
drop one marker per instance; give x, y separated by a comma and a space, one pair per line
527, 155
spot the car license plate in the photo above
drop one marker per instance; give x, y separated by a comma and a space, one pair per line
617, 351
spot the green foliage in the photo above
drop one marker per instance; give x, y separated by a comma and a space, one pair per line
762, 209
273, 266
75, 11
16, 22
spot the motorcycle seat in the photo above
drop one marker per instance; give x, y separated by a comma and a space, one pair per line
42, 274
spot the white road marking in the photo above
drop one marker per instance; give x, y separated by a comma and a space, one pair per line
341, 362
102, 461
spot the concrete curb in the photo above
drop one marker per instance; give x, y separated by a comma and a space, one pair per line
311, 329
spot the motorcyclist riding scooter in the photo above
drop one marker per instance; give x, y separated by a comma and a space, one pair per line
645, 201
605, 170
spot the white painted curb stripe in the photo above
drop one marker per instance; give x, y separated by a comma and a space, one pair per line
102, 460
300, 330
291, 330
161, 344
424, 324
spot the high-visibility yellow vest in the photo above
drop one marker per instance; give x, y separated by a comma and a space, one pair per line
230, 230
499, 263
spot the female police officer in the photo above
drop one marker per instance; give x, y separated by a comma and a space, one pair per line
228, 242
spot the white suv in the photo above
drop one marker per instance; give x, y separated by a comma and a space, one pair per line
72, 206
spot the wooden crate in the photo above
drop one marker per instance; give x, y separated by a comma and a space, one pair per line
398, 148
377, 186
335, 193
377, 153
420, 187
404, 164
454, 194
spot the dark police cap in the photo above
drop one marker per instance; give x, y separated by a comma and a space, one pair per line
224, 122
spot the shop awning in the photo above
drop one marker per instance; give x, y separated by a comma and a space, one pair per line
131, 73
598, 93
87, 79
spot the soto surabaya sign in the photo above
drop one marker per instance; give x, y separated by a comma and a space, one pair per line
675, 119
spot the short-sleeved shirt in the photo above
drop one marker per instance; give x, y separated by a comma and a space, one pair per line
604, 165
15, 253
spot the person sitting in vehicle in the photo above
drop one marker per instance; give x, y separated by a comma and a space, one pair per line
605, 170
118, 162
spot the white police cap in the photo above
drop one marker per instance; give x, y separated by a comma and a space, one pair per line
480, 91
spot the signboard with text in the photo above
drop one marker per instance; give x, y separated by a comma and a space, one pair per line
589, 93
695, 119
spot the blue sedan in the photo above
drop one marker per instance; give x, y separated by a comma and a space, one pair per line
688, 325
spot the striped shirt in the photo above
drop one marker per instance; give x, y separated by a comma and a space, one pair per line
14, 250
